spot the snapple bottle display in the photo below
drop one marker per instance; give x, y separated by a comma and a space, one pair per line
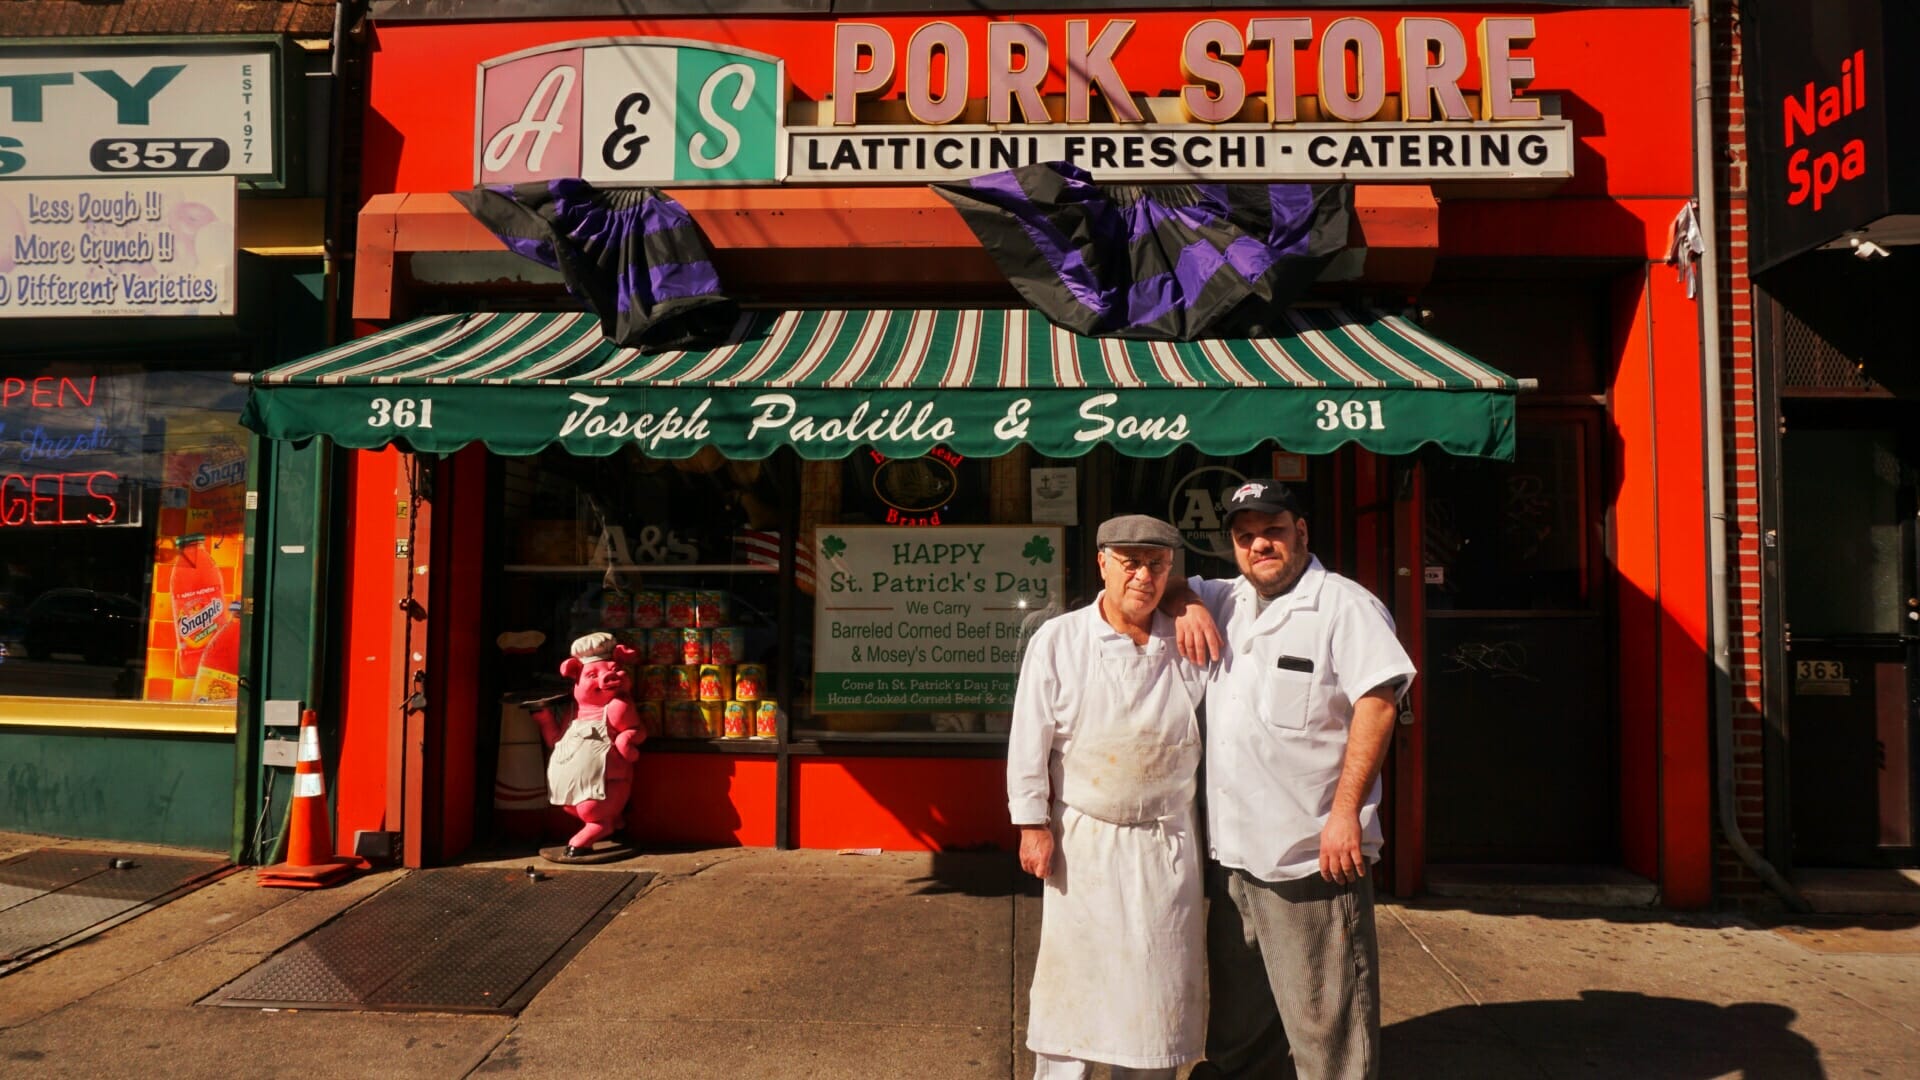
199, 605
218, 677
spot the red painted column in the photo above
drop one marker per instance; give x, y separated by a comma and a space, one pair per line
369, 698
1636, 575
1660, 564
1686, 781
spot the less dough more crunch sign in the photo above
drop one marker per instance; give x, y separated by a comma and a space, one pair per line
672, 111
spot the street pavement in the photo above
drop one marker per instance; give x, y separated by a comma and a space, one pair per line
755, 963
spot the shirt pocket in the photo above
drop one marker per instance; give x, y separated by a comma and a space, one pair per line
1286, 699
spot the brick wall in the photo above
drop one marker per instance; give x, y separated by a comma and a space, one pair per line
1736, 884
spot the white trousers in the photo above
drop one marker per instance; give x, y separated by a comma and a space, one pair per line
1054, 1067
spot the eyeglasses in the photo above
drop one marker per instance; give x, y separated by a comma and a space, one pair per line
1130, 567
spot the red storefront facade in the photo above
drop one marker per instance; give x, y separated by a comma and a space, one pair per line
1565, 717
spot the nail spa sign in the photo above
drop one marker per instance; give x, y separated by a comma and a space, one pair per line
671, 111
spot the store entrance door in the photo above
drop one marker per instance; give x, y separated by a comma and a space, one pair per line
1851, 580
1522, 762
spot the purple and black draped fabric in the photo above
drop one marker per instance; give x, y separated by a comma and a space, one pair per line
633, 255
1164, 262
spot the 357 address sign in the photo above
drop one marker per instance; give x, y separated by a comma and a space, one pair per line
134, 114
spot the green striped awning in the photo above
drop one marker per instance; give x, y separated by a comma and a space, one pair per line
900, 381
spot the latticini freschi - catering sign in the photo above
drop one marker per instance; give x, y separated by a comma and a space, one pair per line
929, 619
673, 111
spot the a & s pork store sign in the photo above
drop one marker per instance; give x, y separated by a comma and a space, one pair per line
937, 102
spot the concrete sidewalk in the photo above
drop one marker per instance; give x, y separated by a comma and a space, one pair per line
754, 963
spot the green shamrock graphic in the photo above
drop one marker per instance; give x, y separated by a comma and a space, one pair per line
832, 546
1038, 550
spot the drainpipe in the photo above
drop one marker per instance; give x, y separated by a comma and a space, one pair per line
1717, 632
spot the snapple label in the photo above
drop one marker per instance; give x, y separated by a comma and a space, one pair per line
199, 602
218, 679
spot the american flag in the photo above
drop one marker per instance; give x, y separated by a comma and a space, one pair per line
761, 547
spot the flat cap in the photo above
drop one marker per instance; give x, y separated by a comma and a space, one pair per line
1264, 496
1137, 530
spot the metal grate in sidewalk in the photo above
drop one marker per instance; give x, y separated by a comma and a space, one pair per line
453, 940
54, 897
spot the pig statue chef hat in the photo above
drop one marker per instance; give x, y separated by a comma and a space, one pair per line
598, 645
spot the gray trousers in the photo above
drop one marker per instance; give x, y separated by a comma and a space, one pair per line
1293, 972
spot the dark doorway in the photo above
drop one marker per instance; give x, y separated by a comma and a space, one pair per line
1521, 740
1850, 487
1522, 728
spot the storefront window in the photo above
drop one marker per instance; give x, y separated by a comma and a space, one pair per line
917, 597
122, 521
914, 586
679, 559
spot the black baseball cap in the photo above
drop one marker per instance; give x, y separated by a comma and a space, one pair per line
1265, 496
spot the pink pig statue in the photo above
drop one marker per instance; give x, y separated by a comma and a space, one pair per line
591, 771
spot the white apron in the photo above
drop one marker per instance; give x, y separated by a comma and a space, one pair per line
1120, 976
578, 769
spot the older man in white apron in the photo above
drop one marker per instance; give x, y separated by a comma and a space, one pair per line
1101, 765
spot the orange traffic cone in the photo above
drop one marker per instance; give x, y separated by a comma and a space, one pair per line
311, 863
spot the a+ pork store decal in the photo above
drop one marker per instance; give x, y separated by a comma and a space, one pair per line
937, 102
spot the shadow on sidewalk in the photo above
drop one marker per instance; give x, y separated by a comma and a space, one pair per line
975, 873
1604, 1032
1760, 918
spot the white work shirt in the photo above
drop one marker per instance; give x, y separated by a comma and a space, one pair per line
1279, 707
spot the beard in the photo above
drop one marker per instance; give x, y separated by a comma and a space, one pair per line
1276, 580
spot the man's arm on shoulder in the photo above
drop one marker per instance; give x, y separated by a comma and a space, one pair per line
1195, 630
1342, 858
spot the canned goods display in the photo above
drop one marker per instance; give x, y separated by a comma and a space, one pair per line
684, 720
693, 646
679, 609
683, 682
648, 715
649, 610
616, 610
713, 715
727, 645
711, 608
653, 683
766, 720
716, 682
735, 719
749, 681
663, 646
